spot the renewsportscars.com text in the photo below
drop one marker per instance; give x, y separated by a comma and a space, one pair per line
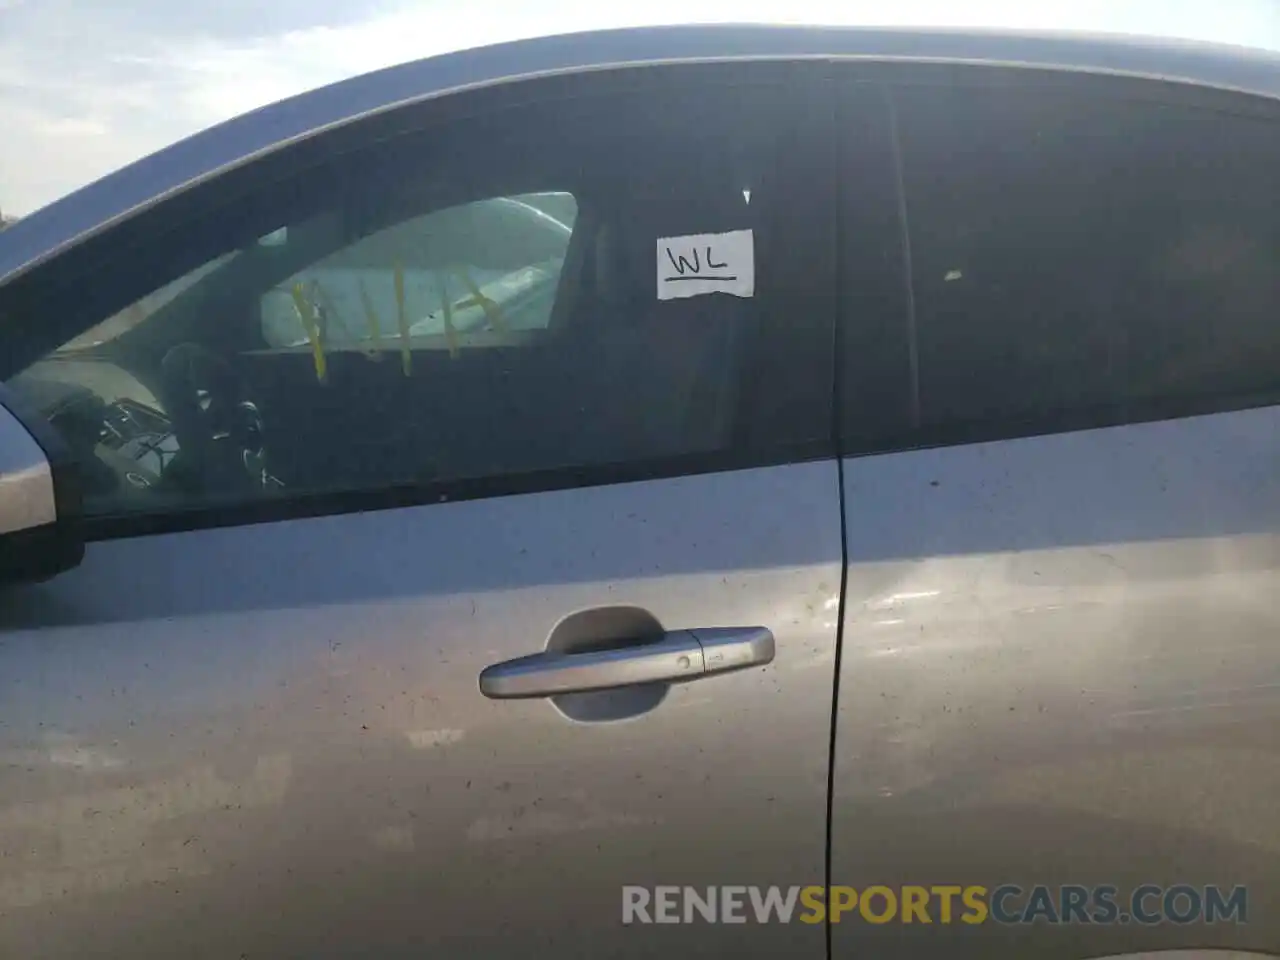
1147, 904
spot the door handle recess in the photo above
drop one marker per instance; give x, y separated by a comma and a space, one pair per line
680, 655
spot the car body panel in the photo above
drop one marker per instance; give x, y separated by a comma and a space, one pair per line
1058, 667
268, 740
26, 481
264, 735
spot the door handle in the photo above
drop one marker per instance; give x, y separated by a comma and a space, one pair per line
678, 656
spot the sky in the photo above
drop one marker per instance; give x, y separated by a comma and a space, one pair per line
87, 86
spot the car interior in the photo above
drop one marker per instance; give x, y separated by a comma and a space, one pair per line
194, 409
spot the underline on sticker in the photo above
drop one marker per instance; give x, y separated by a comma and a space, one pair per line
695, 277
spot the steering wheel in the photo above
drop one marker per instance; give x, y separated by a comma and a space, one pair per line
220, 431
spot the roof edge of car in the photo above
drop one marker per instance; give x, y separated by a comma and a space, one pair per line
242, 139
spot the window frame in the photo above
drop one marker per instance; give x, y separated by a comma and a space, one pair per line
218, 199
858, 79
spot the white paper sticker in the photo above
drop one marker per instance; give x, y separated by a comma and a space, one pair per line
707, 263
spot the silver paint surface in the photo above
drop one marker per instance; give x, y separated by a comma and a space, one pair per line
1059, 661
26, 482
269, 740
1059, 665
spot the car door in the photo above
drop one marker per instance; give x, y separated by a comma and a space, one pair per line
1057, 717
257, 722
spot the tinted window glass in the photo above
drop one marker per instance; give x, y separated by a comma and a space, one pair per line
1078, 260
353, 292
521, 291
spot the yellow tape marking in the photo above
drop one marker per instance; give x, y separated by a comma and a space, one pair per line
450, 334
491, 310
307, 316
406, 356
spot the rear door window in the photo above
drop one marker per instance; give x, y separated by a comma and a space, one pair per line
1076, 259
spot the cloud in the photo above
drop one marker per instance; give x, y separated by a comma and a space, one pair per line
87, 86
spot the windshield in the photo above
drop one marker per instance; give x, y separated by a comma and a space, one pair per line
440, 274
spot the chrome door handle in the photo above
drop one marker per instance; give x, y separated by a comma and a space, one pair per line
679, 655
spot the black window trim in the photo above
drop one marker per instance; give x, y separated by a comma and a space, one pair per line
298, 506
1114, 87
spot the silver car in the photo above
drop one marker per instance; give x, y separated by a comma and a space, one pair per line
709, 491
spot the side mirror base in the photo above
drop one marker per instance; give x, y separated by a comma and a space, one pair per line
41, 506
